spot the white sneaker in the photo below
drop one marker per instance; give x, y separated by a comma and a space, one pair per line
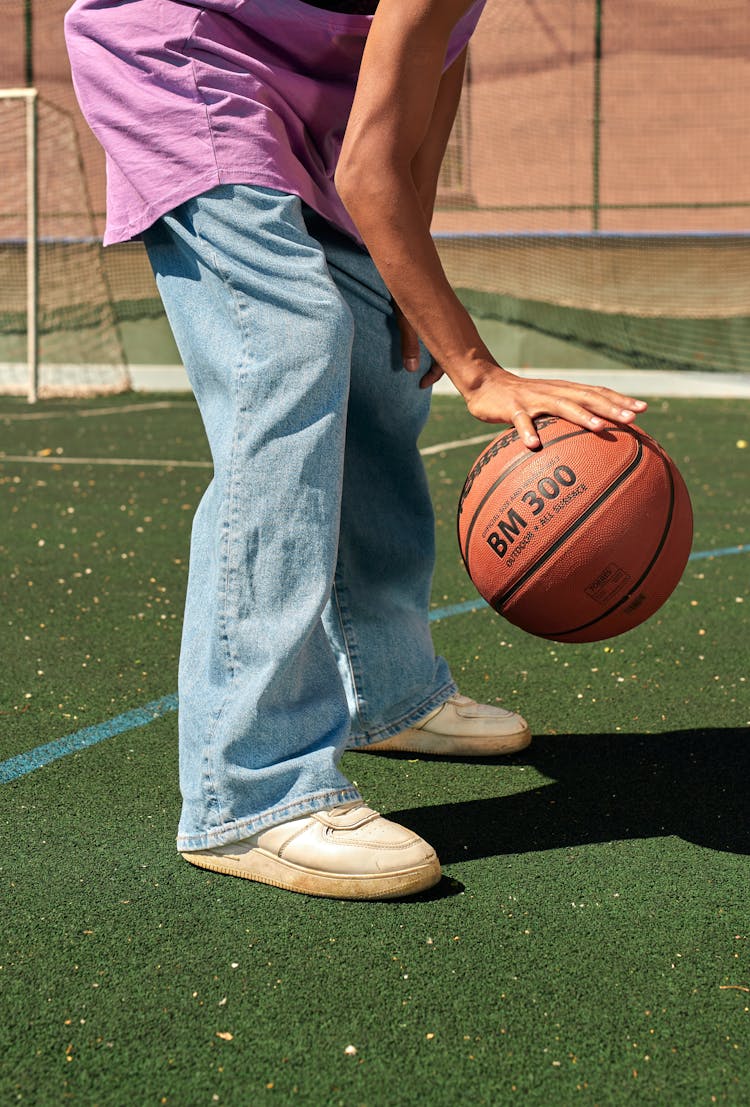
459, 728
346, 852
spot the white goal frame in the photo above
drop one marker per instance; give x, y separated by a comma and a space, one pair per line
29, 95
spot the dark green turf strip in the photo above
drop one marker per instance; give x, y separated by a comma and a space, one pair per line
580, 947
658, 342
589, 942
174, 432
92, 594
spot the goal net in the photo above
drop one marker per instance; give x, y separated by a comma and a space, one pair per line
58, 331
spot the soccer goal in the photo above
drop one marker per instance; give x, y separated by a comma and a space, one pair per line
26, 101
58, 328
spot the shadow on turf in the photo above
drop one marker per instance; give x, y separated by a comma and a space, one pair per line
688, 783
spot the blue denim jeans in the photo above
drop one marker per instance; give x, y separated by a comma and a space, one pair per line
306, 621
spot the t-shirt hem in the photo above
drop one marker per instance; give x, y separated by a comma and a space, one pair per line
125, 232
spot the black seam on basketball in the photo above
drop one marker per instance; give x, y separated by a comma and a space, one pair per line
464, 550
501, 598
513, 465
470, 529
649, 567
499, 442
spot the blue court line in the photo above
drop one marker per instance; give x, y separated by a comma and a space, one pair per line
478, 604
24, 763
457, 609
725, 552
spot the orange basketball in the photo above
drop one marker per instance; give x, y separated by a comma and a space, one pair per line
580, 540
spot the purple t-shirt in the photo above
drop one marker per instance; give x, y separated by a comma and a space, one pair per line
185, 96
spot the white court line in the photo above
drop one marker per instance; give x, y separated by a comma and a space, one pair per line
55, 459
87, 413
458, 442
156, 405
166, 463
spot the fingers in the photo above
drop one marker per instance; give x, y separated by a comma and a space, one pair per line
595, 415
524, 424
617, 401
606, 403
586, 406
433, 374
410, 352
576, 413
520, 402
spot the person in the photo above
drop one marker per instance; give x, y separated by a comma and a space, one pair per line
280, 160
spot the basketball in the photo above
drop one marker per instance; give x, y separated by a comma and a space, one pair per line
580, 540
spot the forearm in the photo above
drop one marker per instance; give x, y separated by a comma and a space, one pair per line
428, 161
388, 211
387, 178
390, 157
392, 223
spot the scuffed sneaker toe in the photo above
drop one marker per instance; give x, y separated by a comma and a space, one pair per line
346, 852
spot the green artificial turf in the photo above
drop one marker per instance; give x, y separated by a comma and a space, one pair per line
589, 941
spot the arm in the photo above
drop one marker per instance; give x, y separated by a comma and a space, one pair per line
425, 169
387, 173
426, 164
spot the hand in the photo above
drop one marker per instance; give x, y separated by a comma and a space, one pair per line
410, 351
502, 397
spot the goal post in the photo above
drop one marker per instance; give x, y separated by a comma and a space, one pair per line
28, 96
60, 315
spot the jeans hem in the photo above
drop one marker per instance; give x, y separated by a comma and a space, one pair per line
388, 730
253, 824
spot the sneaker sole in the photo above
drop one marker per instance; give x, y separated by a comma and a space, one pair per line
446, 745
266, 868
